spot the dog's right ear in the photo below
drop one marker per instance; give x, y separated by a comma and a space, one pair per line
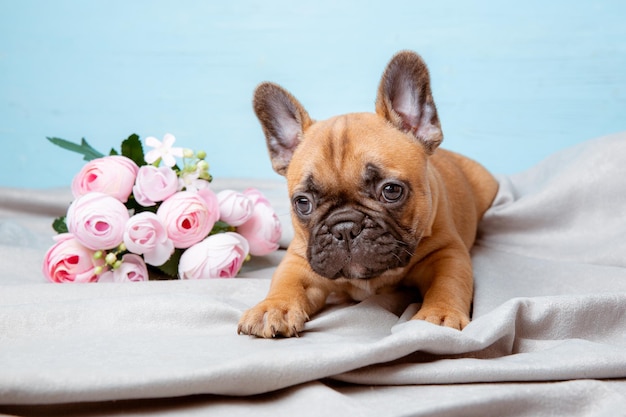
283, 120
405, 99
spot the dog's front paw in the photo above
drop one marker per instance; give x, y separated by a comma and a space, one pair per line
273, 318
443, 316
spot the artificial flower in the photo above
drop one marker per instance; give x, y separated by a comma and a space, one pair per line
235, 207
113, 175
129, 213
263, 229
154, 184
131, 269
163, 150
69, 261
218, 256
145, 235
192, 181
189, 217
97, 220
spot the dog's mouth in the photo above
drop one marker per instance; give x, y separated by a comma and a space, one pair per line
355, 270
357, 247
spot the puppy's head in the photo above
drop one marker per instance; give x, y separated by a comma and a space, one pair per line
359, 183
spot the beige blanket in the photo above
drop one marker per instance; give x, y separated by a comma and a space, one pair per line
548, 334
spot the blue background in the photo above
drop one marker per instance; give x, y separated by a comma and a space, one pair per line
513, 81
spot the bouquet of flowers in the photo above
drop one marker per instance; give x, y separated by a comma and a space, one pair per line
139, 216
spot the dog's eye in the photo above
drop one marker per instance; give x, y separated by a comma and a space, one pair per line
303, 205
392, 192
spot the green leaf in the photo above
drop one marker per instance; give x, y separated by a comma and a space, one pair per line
113, 152
132, 148
135, 207
83, 148
59, 225
170, 267
221, 227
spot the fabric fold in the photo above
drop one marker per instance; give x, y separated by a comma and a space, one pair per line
549, 305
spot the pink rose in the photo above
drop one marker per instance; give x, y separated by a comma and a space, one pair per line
154, 184
113, 175
69, 261
132, 269
263, 230
217, 256
235, 208
145, 235
189, 217
97, 220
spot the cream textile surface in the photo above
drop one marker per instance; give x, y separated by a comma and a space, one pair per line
548, 329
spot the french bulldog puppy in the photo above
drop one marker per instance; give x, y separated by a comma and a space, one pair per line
375, 204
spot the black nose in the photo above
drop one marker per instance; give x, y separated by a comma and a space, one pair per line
346, 230
345, 224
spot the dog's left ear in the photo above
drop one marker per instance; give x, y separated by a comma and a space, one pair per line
405, 99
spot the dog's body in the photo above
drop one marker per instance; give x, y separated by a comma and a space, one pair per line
375, 205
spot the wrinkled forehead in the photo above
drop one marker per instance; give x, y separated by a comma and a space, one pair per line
345, 152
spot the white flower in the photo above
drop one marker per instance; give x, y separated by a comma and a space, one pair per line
163, 150
191, 181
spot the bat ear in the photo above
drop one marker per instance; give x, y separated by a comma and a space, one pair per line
405, 99
283, 120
